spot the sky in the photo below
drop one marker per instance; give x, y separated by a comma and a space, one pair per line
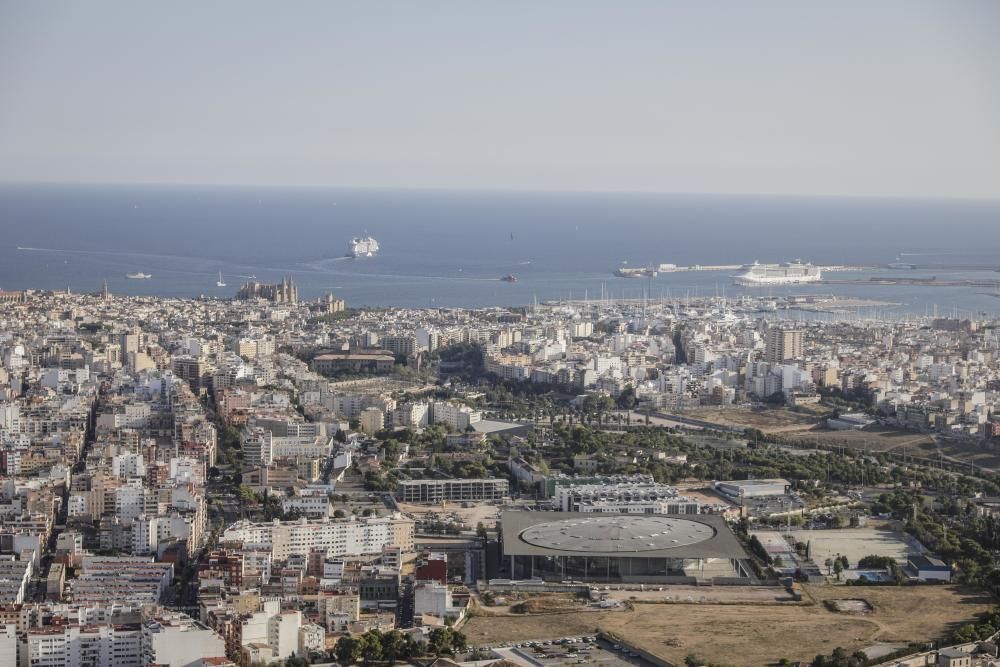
850, 98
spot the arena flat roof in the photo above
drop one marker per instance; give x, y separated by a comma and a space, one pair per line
621, 535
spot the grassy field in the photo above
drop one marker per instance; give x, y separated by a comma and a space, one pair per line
758, 634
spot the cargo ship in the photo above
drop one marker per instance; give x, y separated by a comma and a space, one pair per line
790, 273
362, 247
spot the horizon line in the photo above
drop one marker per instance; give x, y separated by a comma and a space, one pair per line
504, 190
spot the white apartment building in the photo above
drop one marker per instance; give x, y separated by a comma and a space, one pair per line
458, 417
411, 414
128, 465
149, 532
312, 638
178, 640
434, 598
372, 420
261, 446
314, 504
270, 634
348, 537
73, 645
8, 644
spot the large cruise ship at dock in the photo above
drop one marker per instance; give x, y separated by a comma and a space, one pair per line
362, 247
790, 273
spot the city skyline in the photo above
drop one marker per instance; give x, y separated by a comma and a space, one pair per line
500, 333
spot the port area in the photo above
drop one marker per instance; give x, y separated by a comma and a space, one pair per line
931, 281
654, 270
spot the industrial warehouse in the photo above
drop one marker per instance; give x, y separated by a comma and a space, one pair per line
556, 546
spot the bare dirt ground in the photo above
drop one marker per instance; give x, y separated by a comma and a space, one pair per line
768, 420
507, 629
704, 595
917, 445
873, 438
856, 543
758, 634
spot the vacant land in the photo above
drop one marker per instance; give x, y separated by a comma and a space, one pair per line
768, 420
705, 595
856, 543
518, 628
763, 634
873, 438
758, 633
983, 454
916, 445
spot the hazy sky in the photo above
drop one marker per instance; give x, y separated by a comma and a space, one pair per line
848, 97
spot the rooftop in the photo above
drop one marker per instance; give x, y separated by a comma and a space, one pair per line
642, 535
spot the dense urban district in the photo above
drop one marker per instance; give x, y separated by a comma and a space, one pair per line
265, 480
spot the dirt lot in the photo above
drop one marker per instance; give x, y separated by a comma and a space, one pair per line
873, 438
758, 634
856, 543
494, 630
705, 594
768, 420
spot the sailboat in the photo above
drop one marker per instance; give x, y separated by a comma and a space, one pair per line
220, 283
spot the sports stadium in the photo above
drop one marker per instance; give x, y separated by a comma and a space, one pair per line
591, 547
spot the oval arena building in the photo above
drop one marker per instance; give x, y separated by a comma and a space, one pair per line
667, 548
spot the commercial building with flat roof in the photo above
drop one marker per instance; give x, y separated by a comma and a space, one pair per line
624, 498
557, 546
750, 488
328, 364
436, 490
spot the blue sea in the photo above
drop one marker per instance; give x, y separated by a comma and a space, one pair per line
449, 248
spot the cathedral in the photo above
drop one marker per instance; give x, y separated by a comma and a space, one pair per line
283, 292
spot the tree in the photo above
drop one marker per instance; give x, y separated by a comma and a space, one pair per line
340, 436
445, 641
247, 496
627, 399
393, 645
348, 650
371, 646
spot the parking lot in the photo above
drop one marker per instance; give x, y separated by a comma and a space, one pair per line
587, 650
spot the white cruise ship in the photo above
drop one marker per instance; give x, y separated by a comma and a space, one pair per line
362, 247
790, 273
